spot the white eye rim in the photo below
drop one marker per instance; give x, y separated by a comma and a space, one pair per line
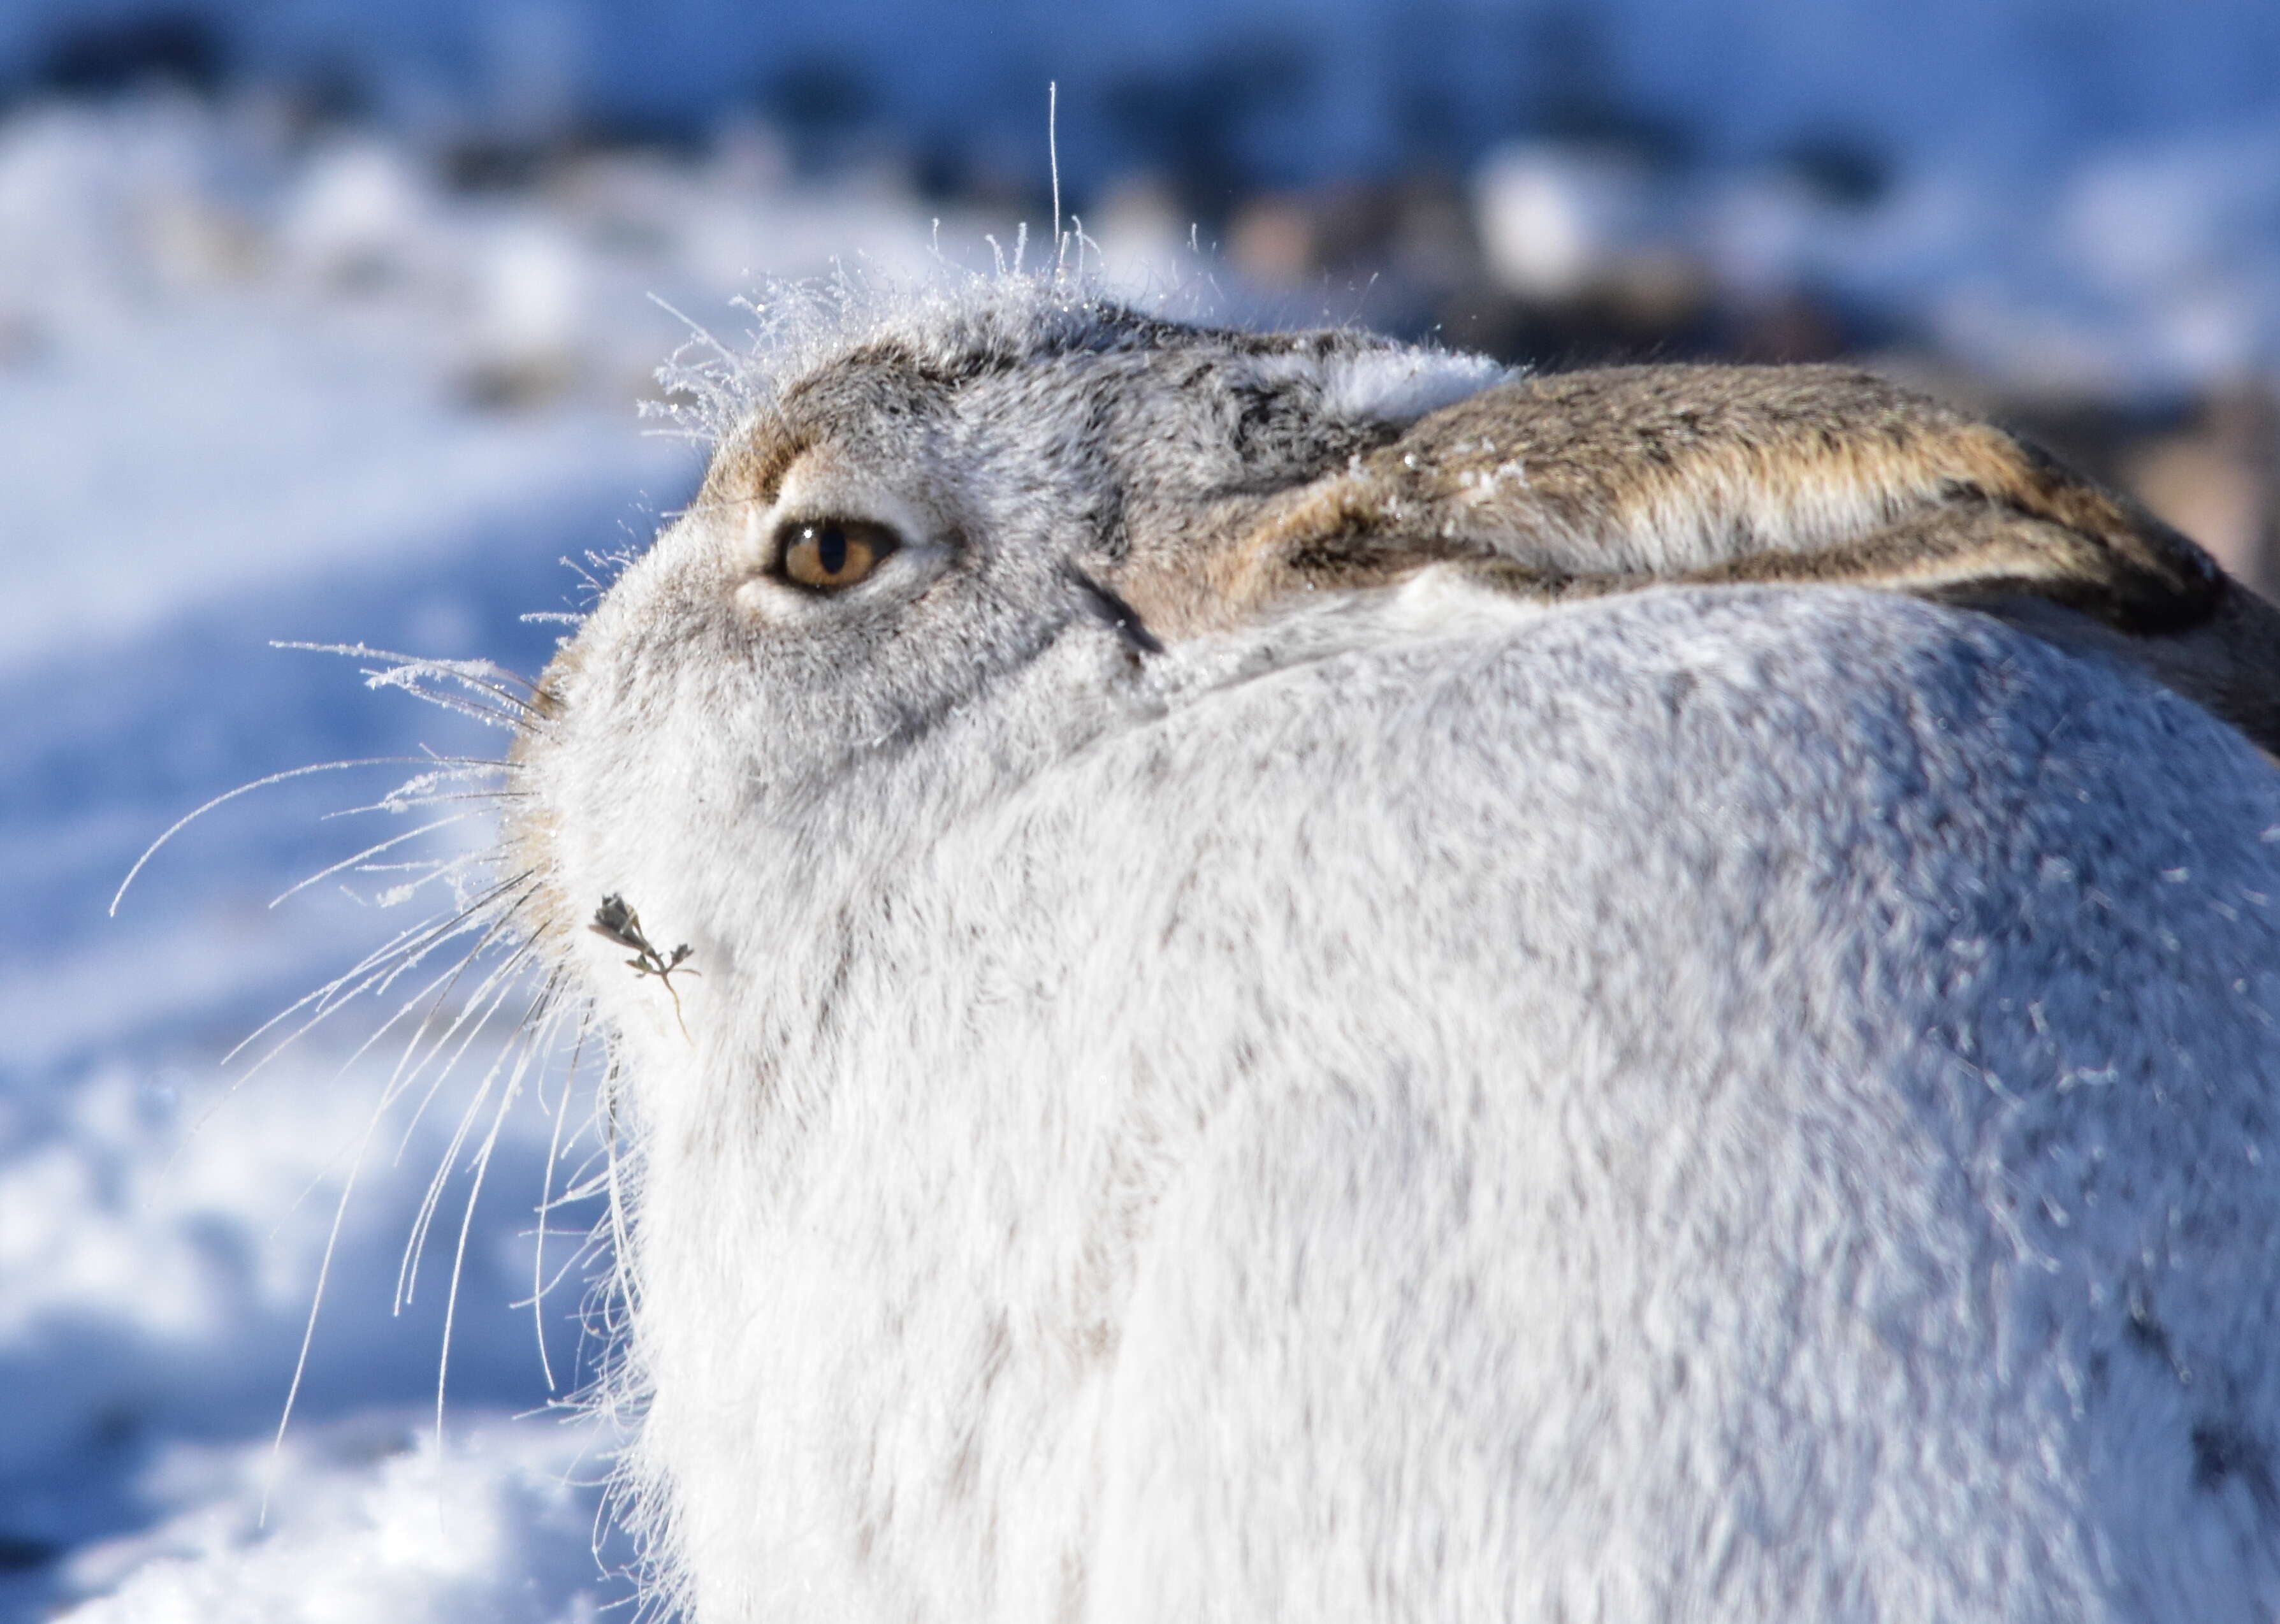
820, 486
914, 566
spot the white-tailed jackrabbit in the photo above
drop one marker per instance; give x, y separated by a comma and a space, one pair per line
1267, 1033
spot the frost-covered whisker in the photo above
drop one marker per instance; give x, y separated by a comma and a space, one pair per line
496, 987
591, 1180
453, 975
413, 1064
360, 862
539, 1283
389, 1094
378, 970
263, 782
389, 963
434, 1052
537, 1028
491, 695
447, 872
491, 994
428, 788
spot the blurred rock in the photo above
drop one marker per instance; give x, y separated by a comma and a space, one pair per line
530, 316
1794, 327
517, 383
2218, 481
1584, 257
1659, 290
1435, 243
1554, 218
1273, 241
196, 242
360, 215
103, 55
1143, 241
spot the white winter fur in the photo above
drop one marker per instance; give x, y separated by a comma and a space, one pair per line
1400, 386
1710, 1105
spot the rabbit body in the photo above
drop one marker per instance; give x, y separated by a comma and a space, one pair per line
1714, 1103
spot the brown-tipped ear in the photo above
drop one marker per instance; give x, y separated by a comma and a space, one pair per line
2229, 664
1661, 473
1610, 481
2220, 649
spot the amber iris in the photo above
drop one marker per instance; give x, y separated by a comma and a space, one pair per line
827, 554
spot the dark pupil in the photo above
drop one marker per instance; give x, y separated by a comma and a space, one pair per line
831, 548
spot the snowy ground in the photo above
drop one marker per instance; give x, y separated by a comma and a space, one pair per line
251, 390
201, 457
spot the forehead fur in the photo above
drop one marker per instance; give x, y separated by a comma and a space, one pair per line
812, 336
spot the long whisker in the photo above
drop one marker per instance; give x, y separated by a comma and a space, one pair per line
473, 1023
492, 704
440, 871
328, 1007
389, 1094
399, 802
495, 977
433, 868
369, 851
324, 1275
412, 945
316, 1303
385, 963
487, 676
490, 921
545, 1205
497, 986
188, 819
544, 1287
483, 1165
514, 717
388, 1097
618, 1243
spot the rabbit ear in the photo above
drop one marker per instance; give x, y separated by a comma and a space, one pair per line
1613, 481
1664, 474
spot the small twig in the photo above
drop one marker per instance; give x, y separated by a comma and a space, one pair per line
616, 921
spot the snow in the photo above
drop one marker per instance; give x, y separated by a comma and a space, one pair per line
2139, 274
368, 1519
201, 458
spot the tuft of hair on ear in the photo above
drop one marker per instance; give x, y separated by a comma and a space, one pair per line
1398, 386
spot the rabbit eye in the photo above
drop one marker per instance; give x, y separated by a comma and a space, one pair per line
827, 554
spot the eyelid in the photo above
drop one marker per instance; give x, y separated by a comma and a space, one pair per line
877, 540
790, 525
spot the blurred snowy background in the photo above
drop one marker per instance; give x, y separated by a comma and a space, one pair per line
327, 322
